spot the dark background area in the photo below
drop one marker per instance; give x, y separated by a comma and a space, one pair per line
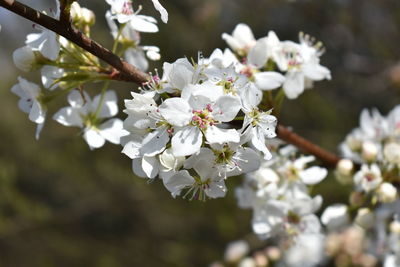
64, 205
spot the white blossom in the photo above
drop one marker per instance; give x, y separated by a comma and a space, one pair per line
30, 102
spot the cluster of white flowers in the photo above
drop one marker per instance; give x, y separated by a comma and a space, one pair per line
65, 67
131, 24
375, 145
271, 63
182, 127
204, 121
186, 125
278, 194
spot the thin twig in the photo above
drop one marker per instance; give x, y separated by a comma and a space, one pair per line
304, 145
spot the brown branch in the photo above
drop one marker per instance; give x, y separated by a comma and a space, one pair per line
304, 145
124, 71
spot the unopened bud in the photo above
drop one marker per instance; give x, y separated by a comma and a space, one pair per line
247, 262
365, 218
260, 259
386, 193
392, 153
82, 15
353, 143
24, 58
273, 253
236, 251
395, 227
345, 167
88, 16
169, 161
369, 151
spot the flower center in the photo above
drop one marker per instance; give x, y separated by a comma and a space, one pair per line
370, 177
202, 119
127, 8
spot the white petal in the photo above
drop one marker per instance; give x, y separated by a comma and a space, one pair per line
150, 166
132, 148
93, 138
313, 175
248, 161
294, 84
316, 72
49, 75
137, 168
136, 57
75, 98
179, 181
112, 130
258, 55
258, 141
37, 113
226, 108
216, 189
251, 96
176, 111
269, 80
220, 136
187, 141
154, 143
68, 116
109, 107
39, 128
162, 10
142, 23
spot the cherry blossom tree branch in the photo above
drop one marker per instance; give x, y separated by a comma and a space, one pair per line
126, 72
304, 145
122, 69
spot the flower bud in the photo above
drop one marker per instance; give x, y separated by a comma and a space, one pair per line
260, 259
386, 193
82, 15
395, 227
236, 251
353, 143
369, 151
391, 152
273, 253
247, 262
169, 161
88, 16
345, 167
24, 58
365, 218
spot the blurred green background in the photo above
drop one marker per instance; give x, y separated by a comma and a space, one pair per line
64, 205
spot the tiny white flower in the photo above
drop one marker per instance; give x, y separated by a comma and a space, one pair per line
236, 251
368, 178
82, 113
30, 102
241, 40
386, 193
122, 11
45, 42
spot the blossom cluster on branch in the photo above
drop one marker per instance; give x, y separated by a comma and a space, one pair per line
204, 120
